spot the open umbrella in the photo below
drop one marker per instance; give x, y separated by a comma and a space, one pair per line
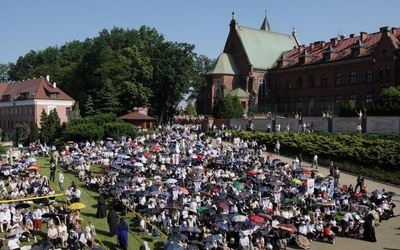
76, 206
288, 227
297, 181
15, 232
239, 218
171, 181
187, 229
256, 218
219, 217
184, 190
42, 245
176, 237
172, 246
113, 174
49, 215
22, 205
238, 185
34, 167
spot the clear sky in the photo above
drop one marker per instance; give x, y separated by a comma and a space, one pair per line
36, 24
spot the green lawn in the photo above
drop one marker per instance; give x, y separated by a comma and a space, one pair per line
89, 198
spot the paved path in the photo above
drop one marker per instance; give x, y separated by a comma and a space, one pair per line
387, 234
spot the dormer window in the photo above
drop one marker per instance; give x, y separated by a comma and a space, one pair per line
356, 49
327, 53
24, 95
6, 98
355, 52
302, 57
327, 57
53, 95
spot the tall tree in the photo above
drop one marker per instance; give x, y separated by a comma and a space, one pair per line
50, 126
20, 133
89, 106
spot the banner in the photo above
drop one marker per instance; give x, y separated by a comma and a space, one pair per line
310, 186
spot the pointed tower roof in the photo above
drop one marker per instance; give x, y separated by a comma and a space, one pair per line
265, 25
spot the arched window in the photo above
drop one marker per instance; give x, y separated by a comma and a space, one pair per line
262, 88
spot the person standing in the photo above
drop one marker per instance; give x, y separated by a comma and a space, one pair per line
277, 147
122, 234
52, 171
360, 182
61, 180
336, 176
331, 169
101, 207
315, 162
112, 220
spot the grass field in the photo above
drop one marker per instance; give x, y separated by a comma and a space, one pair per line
89, 198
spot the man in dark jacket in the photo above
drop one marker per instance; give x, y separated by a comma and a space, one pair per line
360, 181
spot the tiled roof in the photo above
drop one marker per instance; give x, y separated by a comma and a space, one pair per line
224, 65
136, 116
263, 47
38, 88
339, 48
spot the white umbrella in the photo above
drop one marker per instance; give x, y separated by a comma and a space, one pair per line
113, 174
171, 181
15, 232
239, 218
138, 164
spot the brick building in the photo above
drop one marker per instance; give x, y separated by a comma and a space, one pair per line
23, 102
286, 77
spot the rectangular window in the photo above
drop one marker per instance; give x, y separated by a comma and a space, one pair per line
311, 82
338, 78
288, 84
369, 77
380, 72
353, 77
352, 98
327, 57
368, 98
324, 80
387, 71
299, 82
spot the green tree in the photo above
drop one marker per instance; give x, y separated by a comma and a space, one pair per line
388, 102
34, 136
348, 109
20, 133
227, 107
190, 110
4, 69
107, 100
218, 107
50, 126
89, 109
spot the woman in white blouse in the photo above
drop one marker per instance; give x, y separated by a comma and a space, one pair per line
63, 233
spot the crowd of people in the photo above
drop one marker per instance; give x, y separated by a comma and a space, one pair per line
202, 193
207, 194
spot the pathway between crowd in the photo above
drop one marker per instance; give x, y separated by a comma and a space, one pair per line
388, 232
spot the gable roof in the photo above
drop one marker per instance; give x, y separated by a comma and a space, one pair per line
239, 93
38, 88
264, 47
340, 48
224, 65
137, 116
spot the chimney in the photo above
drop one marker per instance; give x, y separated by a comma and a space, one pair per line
351, 35
48, 78
334, 41
311, 46
54, 85
363, 36
394, 31
383, 29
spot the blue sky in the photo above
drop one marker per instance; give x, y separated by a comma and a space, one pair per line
36, 24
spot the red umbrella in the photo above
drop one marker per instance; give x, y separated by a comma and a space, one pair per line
184, 190
222, 205
256, 218
34, 167
288, 227
252, 173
